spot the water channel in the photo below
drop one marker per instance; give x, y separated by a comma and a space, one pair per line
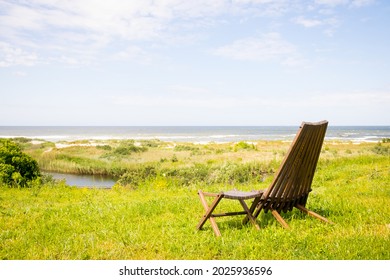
87, 181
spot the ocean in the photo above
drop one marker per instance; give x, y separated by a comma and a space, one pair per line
195, 134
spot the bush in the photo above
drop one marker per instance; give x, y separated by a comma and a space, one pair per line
381, 149
186, 148
134, 177
126, 148
198, 173
16, 167
104, 147
244, 146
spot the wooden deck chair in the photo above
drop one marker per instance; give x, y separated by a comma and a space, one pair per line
290, 188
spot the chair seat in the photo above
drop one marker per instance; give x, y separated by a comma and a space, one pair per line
235, 194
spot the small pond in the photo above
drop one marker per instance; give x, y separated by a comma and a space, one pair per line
90, 181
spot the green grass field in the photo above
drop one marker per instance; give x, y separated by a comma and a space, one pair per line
154, 216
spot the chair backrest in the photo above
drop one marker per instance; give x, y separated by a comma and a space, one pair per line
292, 182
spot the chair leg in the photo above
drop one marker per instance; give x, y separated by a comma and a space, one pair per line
313, 214
279, 219
252, 210
249, 214
209, 210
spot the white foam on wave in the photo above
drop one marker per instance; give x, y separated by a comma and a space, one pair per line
188, 134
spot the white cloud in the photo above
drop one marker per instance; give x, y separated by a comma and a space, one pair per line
361, 3
329, 24
332, 2
352, 3
11, 56
62, 31
134, 53
308, 22
268, 47
130, 20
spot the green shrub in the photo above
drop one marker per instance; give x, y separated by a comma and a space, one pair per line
154, 143
104, 147
174, 158
244, 146
21, 140
127, 148
16, 167
381, 149
198, 173
135, 176
186, 148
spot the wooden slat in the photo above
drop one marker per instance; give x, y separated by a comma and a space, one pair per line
282, 166
318, 151
228, 214
303, 172
309, 164
292, 185
292, 182
301, 175
290, 168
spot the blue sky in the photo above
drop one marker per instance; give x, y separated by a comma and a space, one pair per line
174, 62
